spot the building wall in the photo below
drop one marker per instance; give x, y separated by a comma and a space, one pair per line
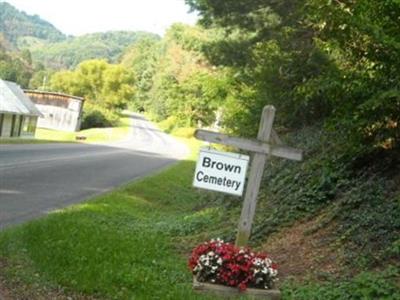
61, 112
6, 125
58, 118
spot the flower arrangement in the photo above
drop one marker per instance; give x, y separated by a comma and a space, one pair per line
223, 263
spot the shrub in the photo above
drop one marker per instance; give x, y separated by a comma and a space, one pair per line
185, 132
94, 117
168, 124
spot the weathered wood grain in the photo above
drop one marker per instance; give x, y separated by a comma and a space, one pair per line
255, 176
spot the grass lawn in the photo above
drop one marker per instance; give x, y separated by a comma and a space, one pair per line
93, 135
131, 243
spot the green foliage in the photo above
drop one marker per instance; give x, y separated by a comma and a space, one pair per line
97, 117
106, 88
174, 79
315, 60
102, 84
367, 285
69, 53
168, 124
15, 24
15, 66
356, 192
40, 79
184, 132
142, 59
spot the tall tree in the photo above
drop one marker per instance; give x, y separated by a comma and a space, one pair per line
335, 61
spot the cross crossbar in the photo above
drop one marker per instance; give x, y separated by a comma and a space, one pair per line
252, 145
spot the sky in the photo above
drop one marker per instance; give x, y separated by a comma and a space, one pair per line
77, 17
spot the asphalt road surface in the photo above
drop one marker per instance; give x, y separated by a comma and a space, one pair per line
36, 179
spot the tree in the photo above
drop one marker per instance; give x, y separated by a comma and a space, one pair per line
100, 83
317, 61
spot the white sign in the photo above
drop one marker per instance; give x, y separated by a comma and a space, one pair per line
221, 171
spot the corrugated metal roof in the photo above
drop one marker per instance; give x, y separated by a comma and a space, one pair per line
13, 100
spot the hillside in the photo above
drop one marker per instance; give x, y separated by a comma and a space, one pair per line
15, 24
52, 48
14, 65
73, 50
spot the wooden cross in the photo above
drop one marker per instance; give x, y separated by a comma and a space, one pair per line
267, 143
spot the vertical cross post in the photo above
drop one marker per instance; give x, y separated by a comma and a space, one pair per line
254, 180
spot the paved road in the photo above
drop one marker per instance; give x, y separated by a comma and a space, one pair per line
35, 179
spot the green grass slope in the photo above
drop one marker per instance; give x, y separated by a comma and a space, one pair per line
331, 222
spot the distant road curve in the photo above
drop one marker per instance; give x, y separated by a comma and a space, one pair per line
38, 178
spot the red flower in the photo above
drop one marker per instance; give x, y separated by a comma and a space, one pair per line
223, 263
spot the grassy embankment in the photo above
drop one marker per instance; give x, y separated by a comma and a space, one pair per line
93, 135
122, 245
333, 229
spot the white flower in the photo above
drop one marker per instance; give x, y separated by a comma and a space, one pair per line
268, 261
273, 272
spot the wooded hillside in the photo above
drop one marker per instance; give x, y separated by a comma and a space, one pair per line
15, 25
69, 53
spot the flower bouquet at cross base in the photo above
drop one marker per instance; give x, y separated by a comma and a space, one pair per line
223, 263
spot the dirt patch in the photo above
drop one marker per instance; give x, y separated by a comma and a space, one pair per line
301, 252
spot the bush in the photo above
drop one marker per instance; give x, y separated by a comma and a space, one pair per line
185, 132
95, 117
168, 124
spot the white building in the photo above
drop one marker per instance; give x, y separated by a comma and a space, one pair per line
18, 115
59, 111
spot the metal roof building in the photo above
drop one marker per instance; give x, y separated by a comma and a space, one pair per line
18, 114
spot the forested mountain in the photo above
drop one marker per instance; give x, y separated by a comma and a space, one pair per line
73, 50
55, 50
15, 24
